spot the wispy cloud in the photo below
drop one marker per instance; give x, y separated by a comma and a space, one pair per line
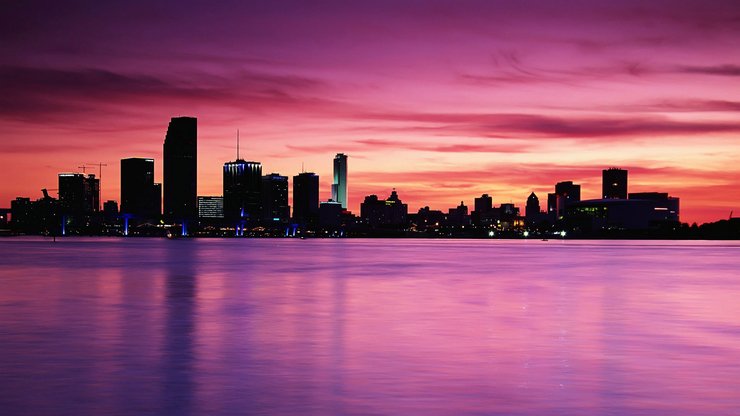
727, 70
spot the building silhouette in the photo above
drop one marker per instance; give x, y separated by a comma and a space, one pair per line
483, 210
614, 183
242, 184
391, 212
532, 210
140, 196
305, 198
110, 211
565, 194
330, 215
339, 187
181, 170
665, 207
79, 194
275, 206
458, 216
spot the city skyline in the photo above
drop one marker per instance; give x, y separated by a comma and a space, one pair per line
443, 101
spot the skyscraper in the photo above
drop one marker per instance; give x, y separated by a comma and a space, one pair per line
339, 187
140, 196
275, 206
532, 211
243, 191
565, 194
79, 194
305, 197
614, 183
181, 169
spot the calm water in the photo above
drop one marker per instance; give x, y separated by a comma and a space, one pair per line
404, 327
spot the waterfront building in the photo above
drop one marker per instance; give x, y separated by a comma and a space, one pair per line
391, 212
305, 198
181, 170
330, 214
140, 196
614, 183
79, 194
339, 186
275, 206
242, 186
565, 194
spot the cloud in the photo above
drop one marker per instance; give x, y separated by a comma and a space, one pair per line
728, 70
31, 93
523, 126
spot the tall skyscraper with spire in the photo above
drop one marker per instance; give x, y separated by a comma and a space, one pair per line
242, 183
339, 187
181, 169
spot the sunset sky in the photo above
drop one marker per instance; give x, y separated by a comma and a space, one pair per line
443, 100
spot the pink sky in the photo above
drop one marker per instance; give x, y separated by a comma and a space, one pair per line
442, 100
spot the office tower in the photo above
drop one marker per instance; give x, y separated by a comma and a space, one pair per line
20, 213
305, 197
110, 211
181, 169
330, 214
339, 187
79, 194
275, 206
484, 203
458, 216
390, 212
242, 183
614, 183
140, 196
565, 194
532, 211
210, 207
483, 210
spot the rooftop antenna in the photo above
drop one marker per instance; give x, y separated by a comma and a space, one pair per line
303, 170
237, 144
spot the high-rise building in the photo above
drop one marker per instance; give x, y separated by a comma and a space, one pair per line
110, 211
275, 206
79, 194
614, 183
305, 197
376, 212
565, 194
532, 210
483, 209
243, 191
140, 196
181, 169
339, 187
484, 203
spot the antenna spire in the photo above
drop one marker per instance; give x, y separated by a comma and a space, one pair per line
237, 144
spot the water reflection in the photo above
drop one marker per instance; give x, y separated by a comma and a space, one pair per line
140, 326
178, 352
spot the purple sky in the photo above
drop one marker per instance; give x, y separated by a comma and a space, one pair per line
442, 100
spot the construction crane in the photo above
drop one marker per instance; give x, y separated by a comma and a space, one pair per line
100, 179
